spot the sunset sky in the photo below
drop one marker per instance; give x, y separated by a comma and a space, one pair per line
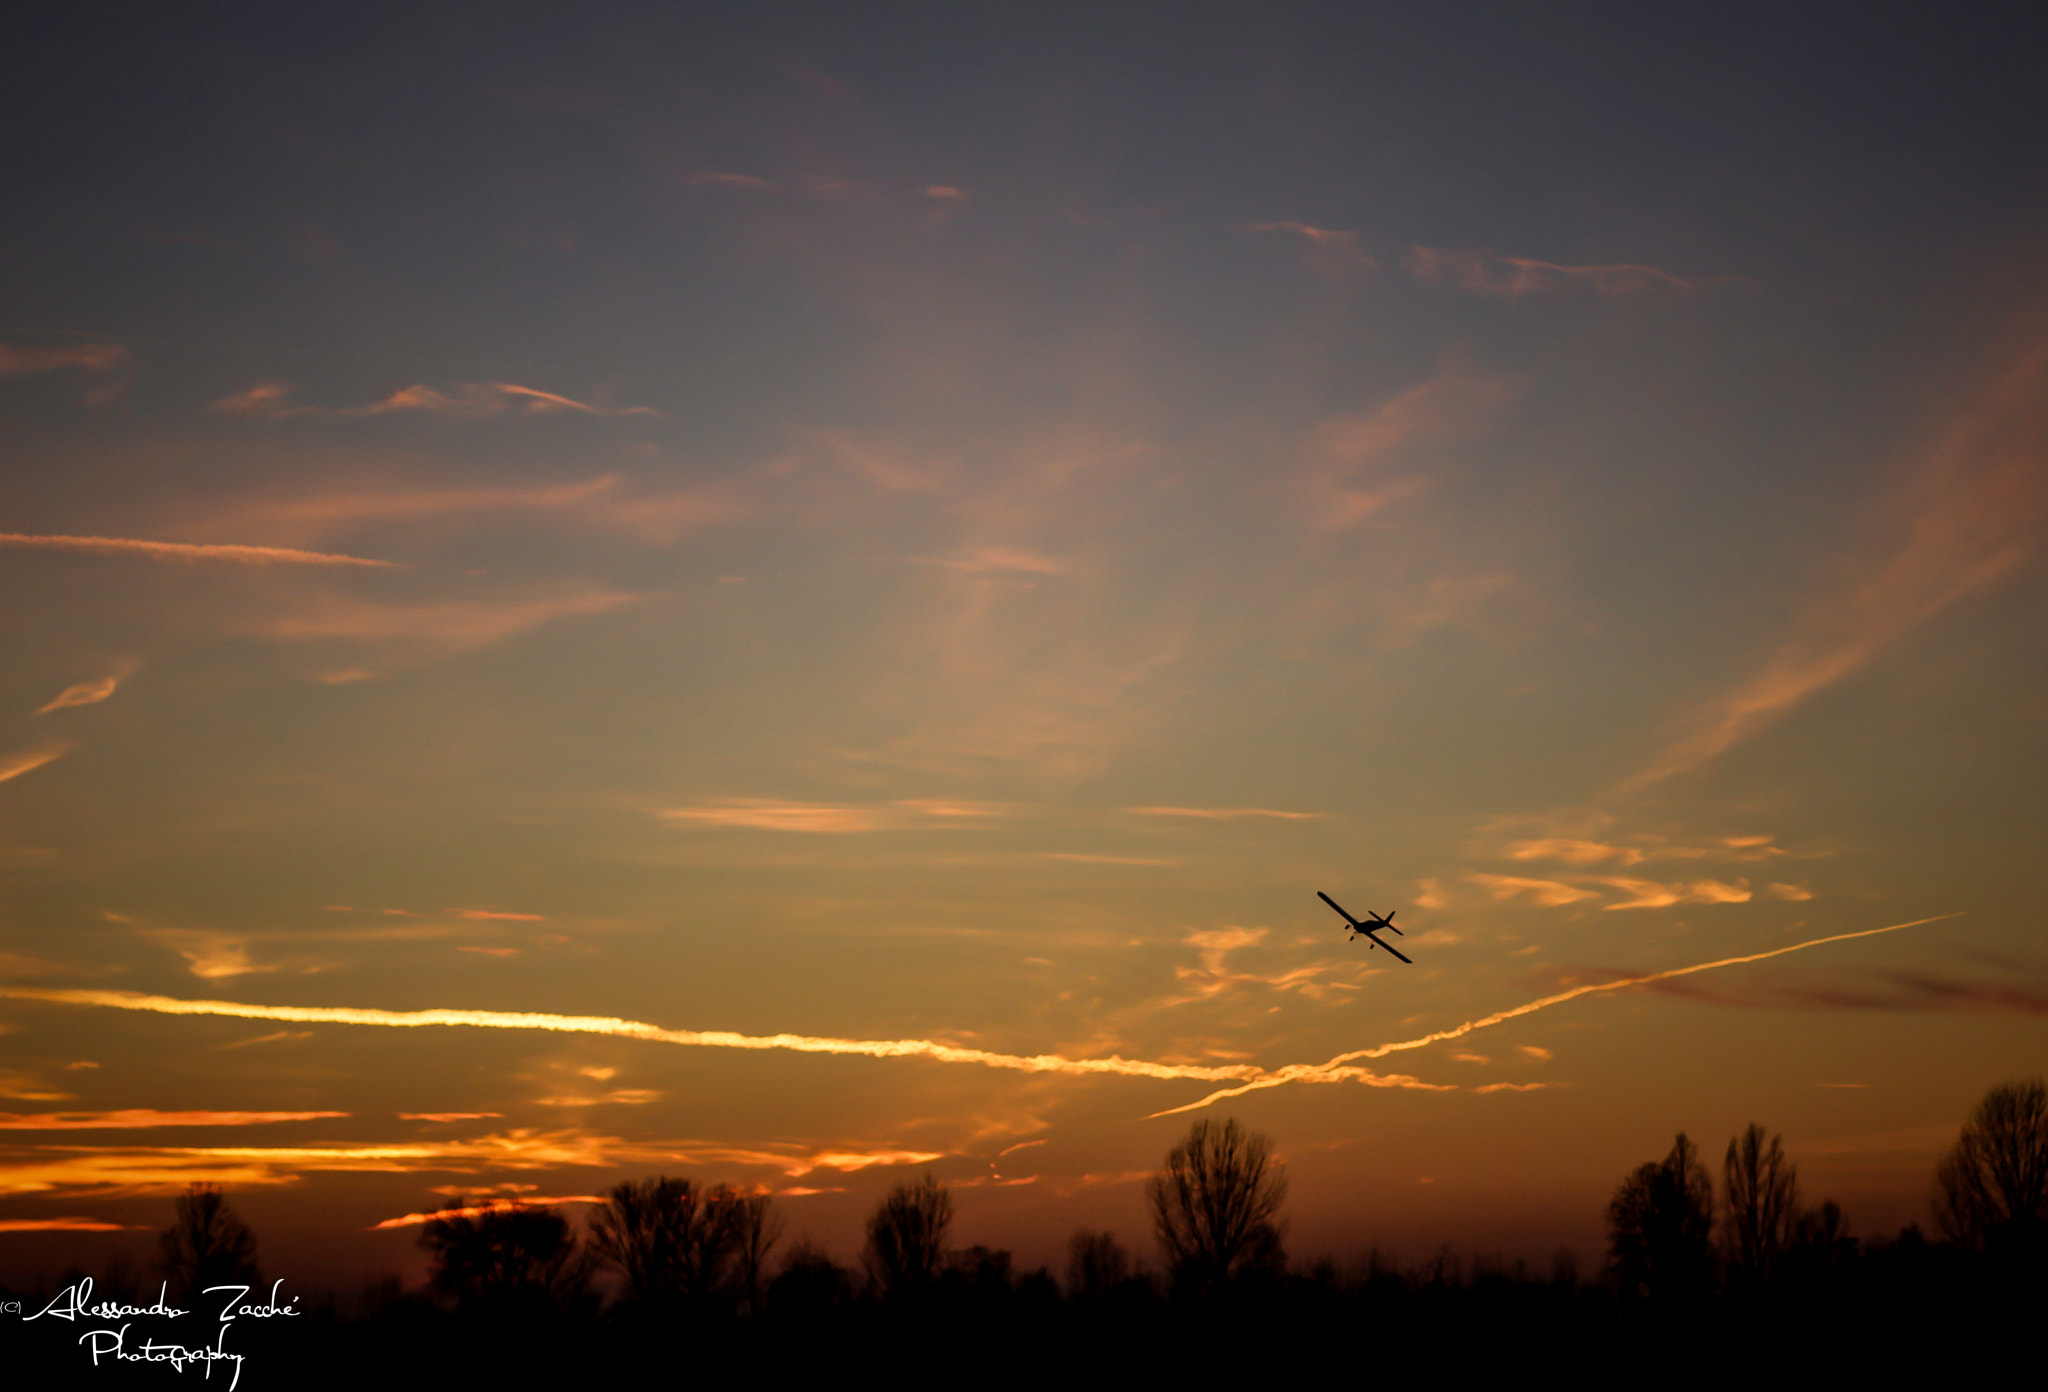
717, 537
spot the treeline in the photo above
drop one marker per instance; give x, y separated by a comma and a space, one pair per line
671, 1281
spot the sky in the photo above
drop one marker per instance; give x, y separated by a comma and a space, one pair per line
827, 584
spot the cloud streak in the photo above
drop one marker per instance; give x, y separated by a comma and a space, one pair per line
463, 400
1969, 517
143, 1118
28, 760
86, 357
1518, 277
89, 693
190, 552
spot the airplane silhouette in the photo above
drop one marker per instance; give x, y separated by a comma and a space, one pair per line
1366, 929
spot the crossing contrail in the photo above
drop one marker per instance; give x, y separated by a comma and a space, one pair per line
1338, 1069
1248, 1077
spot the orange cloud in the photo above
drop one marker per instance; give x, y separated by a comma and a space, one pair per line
1649, 894
446, 1116
495, 914
28, 760
413, 1220
161, 1169
141, 1118
62, 1225
1571, 851
86, 357
1966, 519
769, 814
1549, 893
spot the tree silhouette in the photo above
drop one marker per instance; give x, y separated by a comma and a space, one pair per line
1215, 1205
675, 1243
756, 1227
1096, 1265
207, 1244
810, 1284
640, 1232
1762, 1191
508, 1257
907, 1237
1658, 1224
1991, 1192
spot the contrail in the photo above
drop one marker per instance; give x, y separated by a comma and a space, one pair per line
1336, 1070
1248, 1076
635, 1029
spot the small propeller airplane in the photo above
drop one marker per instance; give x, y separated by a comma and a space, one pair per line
1373, 922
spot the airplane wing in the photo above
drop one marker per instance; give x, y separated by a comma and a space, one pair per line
1391, 948
1339, 908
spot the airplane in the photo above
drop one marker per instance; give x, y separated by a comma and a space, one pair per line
1372, 922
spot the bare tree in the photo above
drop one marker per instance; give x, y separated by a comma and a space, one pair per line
1658, 1224
907, 1237
1216, 1203
207, 1244
640, 1232
670, 1240
505, 1256
756, 1227
1762, 1191
1991, 1192
1096, 1265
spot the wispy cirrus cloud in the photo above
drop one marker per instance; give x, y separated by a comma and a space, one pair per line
19, 361
92, 692
1361, 464
1900, 991
1325, 248
461, 400
422, 630
1517, 277
1973, 511
606, 503
28, 760
181, 551
721, 179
